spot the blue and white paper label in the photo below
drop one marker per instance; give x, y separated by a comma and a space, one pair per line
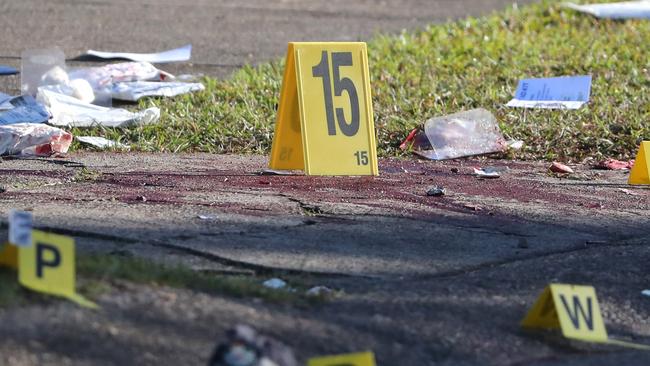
553, 93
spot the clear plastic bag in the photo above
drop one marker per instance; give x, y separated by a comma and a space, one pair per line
30, 139
468, 133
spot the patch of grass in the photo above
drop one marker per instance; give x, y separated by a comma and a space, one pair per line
441, 69
95, 272
10, 291
102, 268
86, 175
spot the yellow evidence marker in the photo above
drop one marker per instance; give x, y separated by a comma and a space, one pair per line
353, 359
48, 266
325, 124
640, 173
574, 309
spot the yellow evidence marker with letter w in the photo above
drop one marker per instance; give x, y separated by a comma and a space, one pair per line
574, 309
325, 124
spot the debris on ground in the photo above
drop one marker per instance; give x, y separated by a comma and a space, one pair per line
515, 144
31, 139
319, 291
474, 132
560, 168
7, 70
101, 142
21, 109
134, 91
553, 93
72, 112
244, 346
628, 192
645, 292
275, 283
276, 172
613, 164
619, 10
486, 173
178, 54
207, 217
104, 76
436, 191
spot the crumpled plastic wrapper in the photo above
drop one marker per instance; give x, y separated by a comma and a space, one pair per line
107, 75
30, 139
72, 112
474, 132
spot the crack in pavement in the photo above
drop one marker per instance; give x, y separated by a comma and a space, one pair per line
588, 245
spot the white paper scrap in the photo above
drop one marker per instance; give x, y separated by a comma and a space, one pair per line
178, 54
553, 93
621, 10
133, 91
101, 142
20, 228
645, 292
72, 112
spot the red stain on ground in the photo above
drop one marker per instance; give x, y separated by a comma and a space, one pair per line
402, 182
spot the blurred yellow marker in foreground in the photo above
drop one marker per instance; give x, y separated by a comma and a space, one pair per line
353, 359
48, 266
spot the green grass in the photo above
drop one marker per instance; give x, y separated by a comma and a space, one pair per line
441, 69
95, 273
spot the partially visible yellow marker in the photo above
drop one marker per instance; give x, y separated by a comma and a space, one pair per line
640, 173
352, 359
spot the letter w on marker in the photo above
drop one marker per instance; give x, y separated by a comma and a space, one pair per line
577, 311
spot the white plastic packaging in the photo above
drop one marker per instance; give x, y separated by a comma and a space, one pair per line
133, 91
72, 112
30, 139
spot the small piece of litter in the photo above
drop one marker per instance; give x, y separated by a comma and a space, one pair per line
178, 54
645, 292
560, 168
319, 291
515, 144
628, 192
436, 191
275, 283
487, 173
7, 70
617, 10
101, 142
473, 208
275, 172
207, 217
613, 164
